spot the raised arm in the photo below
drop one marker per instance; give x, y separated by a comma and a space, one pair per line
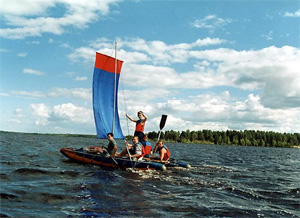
145, 118
130, 118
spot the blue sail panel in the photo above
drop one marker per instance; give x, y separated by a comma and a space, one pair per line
103, 96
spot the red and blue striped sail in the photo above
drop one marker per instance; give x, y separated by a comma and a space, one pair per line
104, 95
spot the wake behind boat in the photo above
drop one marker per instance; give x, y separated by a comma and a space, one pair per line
105, 94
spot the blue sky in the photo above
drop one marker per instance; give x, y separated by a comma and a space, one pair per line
206, 64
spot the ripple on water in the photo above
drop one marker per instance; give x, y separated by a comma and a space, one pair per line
224, 181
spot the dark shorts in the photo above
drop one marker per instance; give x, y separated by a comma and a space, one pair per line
131, 151
140, 135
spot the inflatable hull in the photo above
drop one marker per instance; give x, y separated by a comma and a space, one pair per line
175, 163
82, 156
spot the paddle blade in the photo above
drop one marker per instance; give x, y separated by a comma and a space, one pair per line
163, 121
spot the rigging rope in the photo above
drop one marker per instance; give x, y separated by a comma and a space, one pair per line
124, 98
115, 87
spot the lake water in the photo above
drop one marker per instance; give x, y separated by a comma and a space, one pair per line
225, 181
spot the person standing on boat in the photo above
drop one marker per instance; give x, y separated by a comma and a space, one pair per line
164, 153
140, 124
135, 149
147, 146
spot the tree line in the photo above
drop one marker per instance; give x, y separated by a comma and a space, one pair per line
230, 137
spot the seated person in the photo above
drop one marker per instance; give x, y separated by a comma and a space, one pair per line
112, 145
147, 146
135, 149
164, 153
110, 150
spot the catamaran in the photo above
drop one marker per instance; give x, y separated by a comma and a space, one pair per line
106, 76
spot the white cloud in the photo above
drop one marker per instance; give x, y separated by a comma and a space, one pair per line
142, 100
70, 74
33, 42
18, 112
269, 36
4, 94
295, 14
220, 114
137, 50
26, 94
24, 18
22, 55
65, 45
72, 113
4, 50
87, 55
77, 93
33, 72
160, 53
17, 116
41, 122
210, 111
214, 112
85, 94
14, 120
272, 71
211, 23
41, 111
46, 115
26, 7
78, 78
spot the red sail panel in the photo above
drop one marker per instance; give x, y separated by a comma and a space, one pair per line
107, 63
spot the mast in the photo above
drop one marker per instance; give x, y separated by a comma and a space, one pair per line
115, 88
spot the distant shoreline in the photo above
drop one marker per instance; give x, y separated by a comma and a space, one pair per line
154, 139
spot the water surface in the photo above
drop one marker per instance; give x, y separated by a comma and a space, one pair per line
225, 181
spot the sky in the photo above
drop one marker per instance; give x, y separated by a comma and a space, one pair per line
207, 64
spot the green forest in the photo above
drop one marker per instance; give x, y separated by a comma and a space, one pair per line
230, 137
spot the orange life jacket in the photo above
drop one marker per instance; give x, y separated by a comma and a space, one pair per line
167, 154
147, 147
140, 126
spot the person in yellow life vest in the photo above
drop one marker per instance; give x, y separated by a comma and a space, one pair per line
140, 124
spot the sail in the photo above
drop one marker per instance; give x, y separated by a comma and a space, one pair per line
104, 96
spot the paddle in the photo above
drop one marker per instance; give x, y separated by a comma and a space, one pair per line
114, 160
162, 124
126, 143
109, 155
